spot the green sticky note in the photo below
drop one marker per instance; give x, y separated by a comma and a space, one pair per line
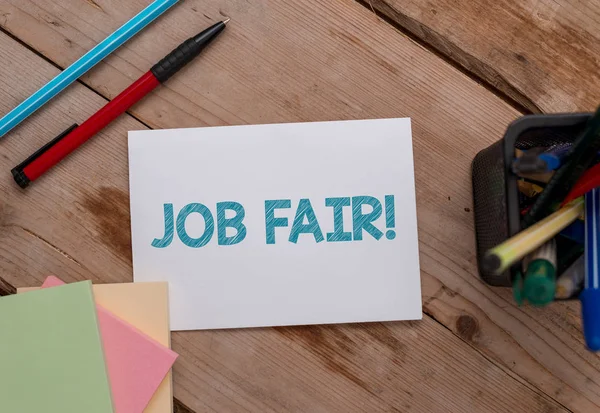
51, 357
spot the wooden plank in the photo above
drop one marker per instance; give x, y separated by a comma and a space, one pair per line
284, 61
332, 368
541, 53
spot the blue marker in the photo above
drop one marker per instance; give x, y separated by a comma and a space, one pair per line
590, 296
540, 160
553, 161
85, 63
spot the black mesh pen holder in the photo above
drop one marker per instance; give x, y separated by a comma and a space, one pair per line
496, 200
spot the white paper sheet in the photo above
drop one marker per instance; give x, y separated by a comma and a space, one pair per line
260, 270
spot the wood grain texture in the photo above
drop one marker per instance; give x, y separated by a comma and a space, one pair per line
282, 62
544, 54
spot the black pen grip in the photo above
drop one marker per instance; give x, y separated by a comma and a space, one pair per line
176, 60
185, 53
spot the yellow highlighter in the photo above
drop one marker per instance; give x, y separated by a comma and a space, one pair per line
499, 258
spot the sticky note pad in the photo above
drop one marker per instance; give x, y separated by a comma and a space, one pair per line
145, 306
136, 363
51, 354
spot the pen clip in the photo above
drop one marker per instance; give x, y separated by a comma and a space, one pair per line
17, 172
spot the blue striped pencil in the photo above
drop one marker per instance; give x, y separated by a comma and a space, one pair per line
83, 64
590, 296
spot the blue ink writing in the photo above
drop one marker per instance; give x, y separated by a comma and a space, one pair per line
390, 217
338, 234
235, 223
270, 221
365, 214
361, 221
168, 238
179, 225
209, 224
305, 211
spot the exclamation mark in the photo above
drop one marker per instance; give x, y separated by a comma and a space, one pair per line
390, 217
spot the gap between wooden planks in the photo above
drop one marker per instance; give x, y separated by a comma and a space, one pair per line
541, 53
308, 61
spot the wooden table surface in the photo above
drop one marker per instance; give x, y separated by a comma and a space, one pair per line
462, 70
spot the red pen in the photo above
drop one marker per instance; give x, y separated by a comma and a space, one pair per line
61, 146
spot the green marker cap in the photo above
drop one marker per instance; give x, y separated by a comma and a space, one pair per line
518, 289
540, 282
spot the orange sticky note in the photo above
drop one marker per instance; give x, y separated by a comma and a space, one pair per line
136, 363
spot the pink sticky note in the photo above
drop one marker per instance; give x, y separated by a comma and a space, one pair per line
136, 364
